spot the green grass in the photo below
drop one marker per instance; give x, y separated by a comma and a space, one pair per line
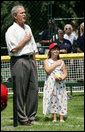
74, 120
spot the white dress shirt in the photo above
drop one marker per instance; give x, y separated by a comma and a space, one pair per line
14, 35
71, 38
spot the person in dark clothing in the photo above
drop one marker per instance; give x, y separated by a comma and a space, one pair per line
80, 40
80, 44
48, 36
65, 45
80, 49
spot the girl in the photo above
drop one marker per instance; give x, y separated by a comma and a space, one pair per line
55, 95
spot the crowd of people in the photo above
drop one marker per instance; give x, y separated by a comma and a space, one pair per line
70, 39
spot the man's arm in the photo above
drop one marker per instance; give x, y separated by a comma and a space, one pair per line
63, 51
22, 43
45, 41
64, 72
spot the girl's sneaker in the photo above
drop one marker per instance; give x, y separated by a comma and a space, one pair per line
62, 121
54, 121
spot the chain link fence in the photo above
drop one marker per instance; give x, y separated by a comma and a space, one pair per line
75, 74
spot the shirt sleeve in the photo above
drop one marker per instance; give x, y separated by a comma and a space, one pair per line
10, 40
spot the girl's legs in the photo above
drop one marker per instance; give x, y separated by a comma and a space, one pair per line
54, 116
61, 118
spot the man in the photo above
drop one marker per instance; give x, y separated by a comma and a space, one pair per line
48, 36
22, 48
65, 45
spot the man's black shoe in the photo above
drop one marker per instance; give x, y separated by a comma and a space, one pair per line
26, 123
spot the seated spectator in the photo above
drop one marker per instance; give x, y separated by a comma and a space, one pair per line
81, 28
47, 37
80, 44
75, 30
80, 49
4, 97
80, 40
71, 37
65, 45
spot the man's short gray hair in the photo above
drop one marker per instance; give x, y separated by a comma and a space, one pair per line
14, 9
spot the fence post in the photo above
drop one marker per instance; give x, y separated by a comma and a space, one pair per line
50, 18
15, 121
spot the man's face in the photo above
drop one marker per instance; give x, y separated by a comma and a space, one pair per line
60, 34
20, 17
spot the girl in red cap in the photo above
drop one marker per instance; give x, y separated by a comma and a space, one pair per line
54, 94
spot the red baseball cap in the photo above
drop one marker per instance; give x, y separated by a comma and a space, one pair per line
4, 94
53, 45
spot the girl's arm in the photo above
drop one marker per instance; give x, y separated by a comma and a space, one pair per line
50, 69
64, 72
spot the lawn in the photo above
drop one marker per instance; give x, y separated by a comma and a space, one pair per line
74, 120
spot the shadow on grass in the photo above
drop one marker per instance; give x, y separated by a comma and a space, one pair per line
47, 118
78, 95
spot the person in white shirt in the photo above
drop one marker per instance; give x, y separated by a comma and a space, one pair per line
70, 36
22, 49
15, 34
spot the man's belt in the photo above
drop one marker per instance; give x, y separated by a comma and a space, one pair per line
30, 56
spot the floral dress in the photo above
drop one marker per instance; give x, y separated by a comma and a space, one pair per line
54, 94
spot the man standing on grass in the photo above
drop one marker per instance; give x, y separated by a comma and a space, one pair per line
22, 48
